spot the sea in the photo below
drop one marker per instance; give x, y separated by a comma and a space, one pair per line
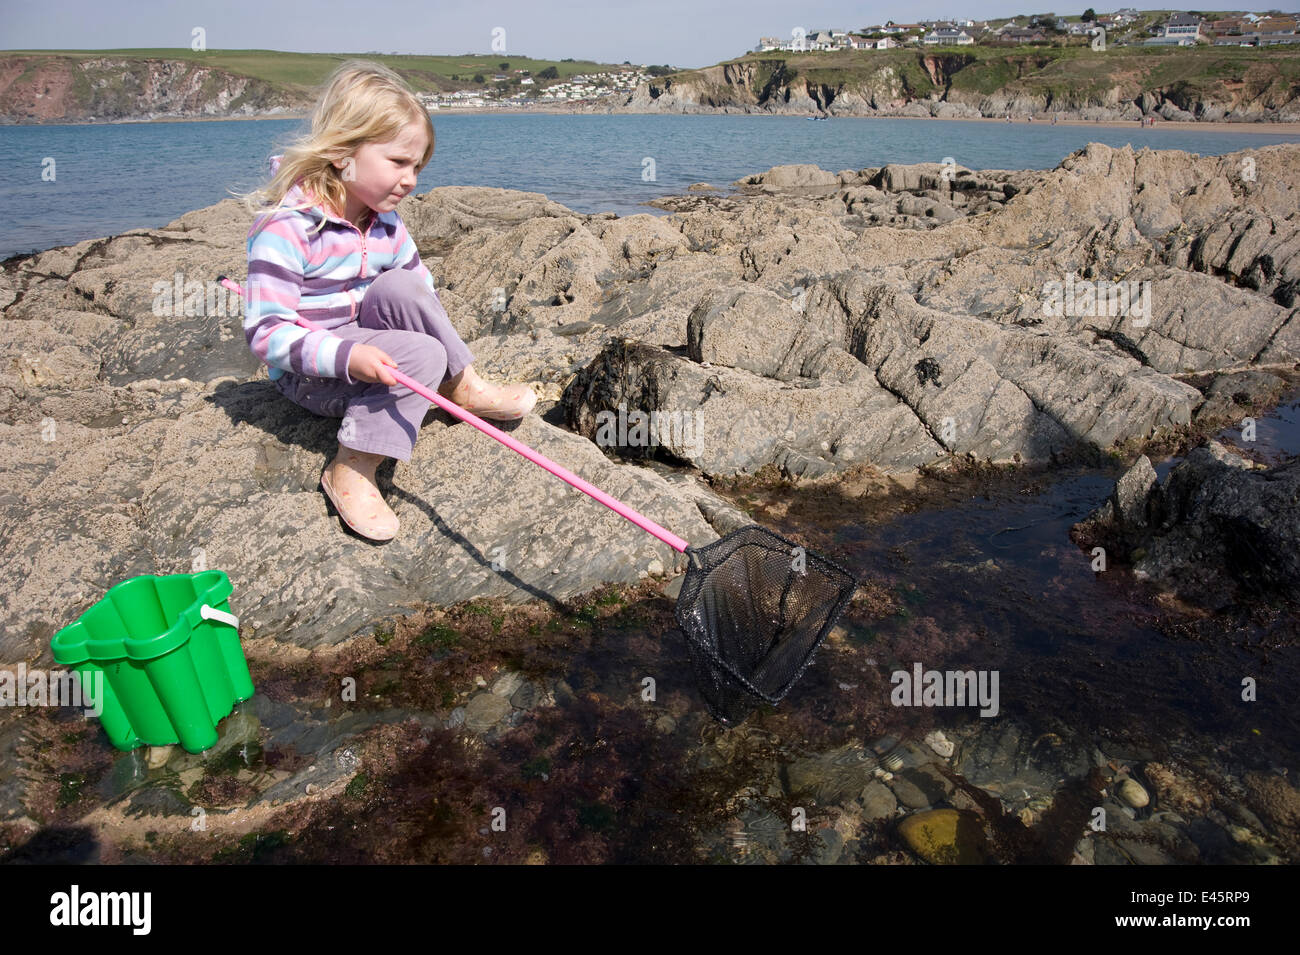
62, 184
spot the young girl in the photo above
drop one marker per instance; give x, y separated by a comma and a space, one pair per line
334, 250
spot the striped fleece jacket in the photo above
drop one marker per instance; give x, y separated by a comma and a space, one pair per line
321, 277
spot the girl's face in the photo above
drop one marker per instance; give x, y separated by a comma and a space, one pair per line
378, 175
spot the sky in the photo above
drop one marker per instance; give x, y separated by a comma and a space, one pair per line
680, 33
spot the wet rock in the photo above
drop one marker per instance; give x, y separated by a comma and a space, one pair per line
878, 802
1018, 765
940, 743
157, 800
237, 730
306, 782
1179, 791
485, 711
830, 846
1085, 852
527, 696
506, 684
1127, 841
1273, 798
1136, 495
1229, 395
945, 837
909, 793
833, 777
1228, 531
1131, 791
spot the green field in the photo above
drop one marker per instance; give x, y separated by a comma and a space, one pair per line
305, 71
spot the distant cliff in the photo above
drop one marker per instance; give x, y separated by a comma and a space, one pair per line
1232, 84
1228, 84
53, 88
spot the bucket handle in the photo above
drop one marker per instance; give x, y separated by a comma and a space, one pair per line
212, 613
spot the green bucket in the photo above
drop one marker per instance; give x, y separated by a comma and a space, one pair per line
168, 648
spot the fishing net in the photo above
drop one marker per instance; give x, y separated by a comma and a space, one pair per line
754, 607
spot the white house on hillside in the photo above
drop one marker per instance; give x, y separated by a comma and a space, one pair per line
943, 37
1183, 24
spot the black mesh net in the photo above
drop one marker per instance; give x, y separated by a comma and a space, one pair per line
754, 607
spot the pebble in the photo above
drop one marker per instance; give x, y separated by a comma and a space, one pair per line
507, 683
479, 681
1131, 791
485, 711
945, 836
909, 794
311, 789
878, 803
940, 744
655, 566
527, 696
158, 755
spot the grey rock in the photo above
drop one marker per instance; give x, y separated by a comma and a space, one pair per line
830, 846
909, 793
506, 684
485, 711
878, 802
832, 777
1227, 530
1004, 758
527, 696
890, 317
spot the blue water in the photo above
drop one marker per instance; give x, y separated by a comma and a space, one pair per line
110, 178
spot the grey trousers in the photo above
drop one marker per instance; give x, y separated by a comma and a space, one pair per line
400, 316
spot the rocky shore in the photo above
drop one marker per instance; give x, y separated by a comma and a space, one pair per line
828, 328
810, 322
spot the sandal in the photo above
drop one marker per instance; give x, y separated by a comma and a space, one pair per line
370, 516
509, 403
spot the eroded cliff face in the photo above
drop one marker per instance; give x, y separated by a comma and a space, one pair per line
46, 89
1262, 94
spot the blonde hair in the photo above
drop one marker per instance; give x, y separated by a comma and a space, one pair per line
361, 102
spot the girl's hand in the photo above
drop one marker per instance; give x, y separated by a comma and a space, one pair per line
368, 363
